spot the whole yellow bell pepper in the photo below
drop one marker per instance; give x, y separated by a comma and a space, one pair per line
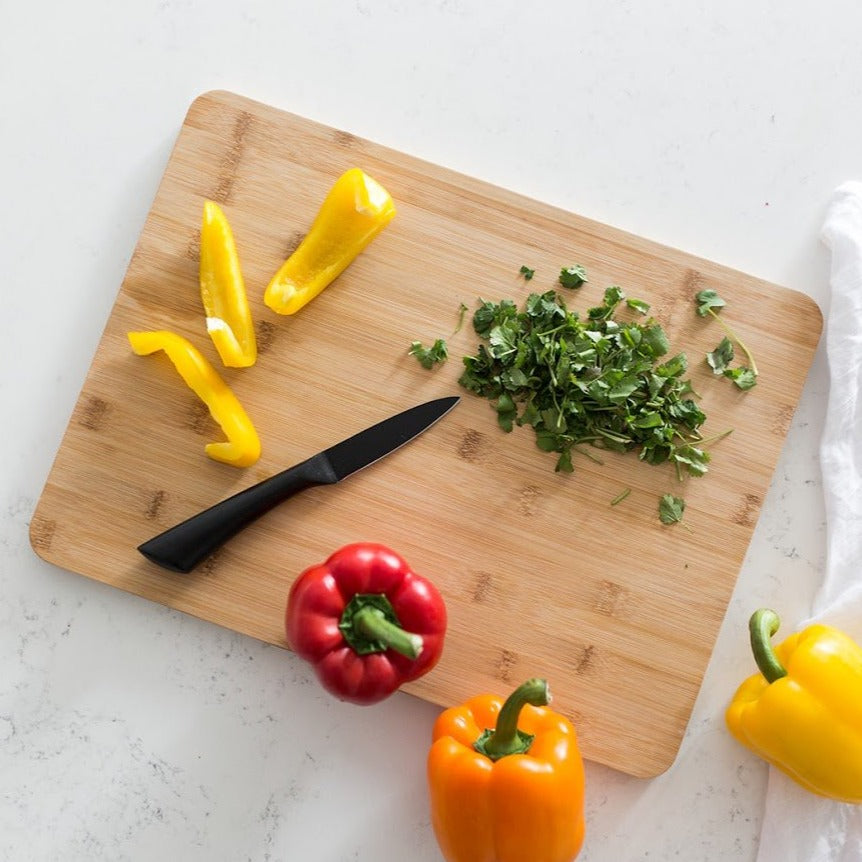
356, 209
506, 780
223, 293
803, 711
242, 447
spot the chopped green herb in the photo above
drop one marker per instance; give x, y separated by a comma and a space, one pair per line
462, 311
670, 509
597, 381
715, 438
638, 305
743, 377
654, 338
438, 352
613, 297
719, 359
621, 496
573, 276
429, 356
587, 454
527, 272
564, 463
692, 459
506, 411
707, 303
707, 300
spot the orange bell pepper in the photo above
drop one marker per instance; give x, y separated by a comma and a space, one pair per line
356, 209
506, 780
242, 447
223, 293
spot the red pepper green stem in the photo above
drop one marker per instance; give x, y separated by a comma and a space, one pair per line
761, 627
505, 738
369, 624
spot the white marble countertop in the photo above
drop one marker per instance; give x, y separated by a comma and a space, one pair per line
131, 732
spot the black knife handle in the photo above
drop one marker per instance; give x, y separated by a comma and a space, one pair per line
182, 547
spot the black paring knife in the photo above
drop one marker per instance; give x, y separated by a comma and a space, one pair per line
182, 547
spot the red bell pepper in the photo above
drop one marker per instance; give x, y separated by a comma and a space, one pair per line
366, 621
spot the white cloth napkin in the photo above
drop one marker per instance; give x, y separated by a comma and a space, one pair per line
797, 825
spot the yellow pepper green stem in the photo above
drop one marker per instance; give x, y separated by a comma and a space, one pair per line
356, 209
242, 447
229, 321
762, 626
802, 711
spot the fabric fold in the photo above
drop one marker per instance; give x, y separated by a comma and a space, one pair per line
797, 825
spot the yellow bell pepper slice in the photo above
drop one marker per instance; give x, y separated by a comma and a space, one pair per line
242, 447
356, 209
229, 322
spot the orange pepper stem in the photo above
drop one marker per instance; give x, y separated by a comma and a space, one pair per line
505, 738
761, 627
369, 625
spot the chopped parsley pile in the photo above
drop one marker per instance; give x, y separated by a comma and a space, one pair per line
599, 380
603, 380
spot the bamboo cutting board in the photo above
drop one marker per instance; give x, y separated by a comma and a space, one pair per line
541, 575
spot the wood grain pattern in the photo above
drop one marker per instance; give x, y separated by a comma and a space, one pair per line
540, 574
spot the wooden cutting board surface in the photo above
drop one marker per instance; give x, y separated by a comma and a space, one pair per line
541, 575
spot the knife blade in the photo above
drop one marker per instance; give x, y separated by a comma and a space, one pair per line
184, 546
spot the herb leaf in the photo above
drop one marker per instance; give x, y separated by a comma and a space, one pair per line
707, 300
506, 411
564, 462
527, 272
429, 356
654, 337
693, 459
573, 276
743, 377
670, 509
638, 305
719, 359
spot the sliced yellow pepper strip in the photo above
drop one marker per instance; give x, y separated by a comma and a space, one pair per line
242, 447
356, 209
223, 293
